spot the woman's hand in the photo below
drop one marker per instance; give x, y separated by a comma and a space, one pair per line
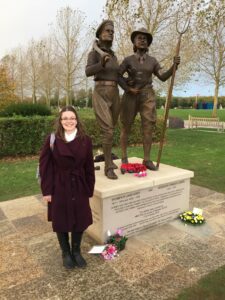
47, 198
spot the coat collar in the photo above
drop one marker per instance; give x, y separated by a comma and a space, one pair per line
65, 148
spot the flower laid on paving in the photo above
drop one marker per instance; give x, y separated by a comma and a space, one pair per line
193, 217
115, 243
109, 252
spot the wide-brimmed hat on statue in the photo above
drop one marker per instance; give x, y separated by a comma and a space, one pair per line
102, 25
142, 31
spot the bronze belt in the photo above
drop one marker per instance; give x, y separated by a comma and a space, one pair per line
105, 82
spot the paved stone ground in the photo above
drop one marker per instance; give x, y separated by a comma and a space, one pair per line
155, 265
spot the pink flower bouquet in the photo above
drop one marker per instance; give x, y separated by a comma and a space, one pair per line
118, 239
109, 252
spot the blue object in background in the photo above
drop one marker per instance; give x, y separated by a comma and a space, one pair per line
210, 105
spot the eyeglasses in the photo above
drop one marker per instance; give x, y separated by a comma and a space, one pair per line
68, 119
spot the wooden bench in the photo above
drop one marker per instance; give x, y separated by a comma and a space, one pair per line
205, 122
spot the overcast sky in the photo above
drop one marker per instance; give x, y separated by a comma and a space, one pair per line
22, 20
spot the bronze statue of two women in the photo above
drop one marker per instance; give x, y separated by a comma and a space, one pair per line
138, 96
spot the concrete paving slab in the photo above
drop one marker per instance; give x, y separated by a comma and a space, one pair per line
17, 265
31, 226
195, 253
215, 211
203, 202
132, 265
161, 235
6, 228
200, 192
2, 215
22, 207
113, 290
199, 231
31, 290
165, 283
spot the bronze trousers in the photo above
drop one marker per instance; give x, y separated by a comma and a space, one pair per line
145, 104
106, 104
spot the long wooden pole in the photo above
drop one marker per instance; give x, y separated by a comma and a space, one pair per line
168, 103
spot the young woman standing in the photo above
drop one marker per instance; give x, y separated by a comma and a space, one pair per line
67, 183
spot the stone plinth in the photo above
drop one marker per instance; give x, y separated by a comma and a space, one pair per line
136, 204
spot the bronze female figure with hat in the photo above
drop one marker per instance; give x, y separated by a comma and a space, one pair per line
139, 95
103, 65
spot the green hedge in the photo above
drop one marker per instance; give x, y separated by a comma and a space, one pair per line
25, 135
25, 109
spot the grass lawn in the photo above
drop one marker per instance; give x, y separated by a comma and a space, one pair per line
18, 178
184, 113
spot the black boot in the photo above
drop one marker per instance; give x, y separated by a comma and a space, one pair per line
77, 257
63, 238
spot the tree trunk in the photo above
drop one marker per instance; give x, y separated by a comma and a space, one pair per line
215, 101
67, 90
34, 98
21, 91
47, 95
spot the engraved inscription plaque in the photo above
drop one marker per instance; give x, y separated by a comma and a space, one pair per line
137, 211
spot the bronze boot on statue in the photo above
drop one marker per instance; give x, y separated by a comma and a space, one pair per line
109, 168
149, 165
147, 142
114, 166
109, 173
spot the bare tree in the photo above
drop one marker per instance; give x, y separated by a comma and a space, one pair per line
33, 70
47, 68
72, 43
121, 12
211, 43
21, 72
158, 17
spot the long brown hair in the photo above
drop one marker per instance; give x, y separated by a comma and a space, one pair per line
59, 127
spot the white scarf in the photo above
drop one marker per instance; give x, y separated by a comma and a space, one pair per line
70, 137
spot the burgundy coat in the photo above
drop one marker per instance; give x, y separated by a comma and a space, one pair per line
67, 173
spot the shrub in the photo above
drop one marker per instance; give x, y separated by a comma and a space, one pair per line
25, 135
25, 109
